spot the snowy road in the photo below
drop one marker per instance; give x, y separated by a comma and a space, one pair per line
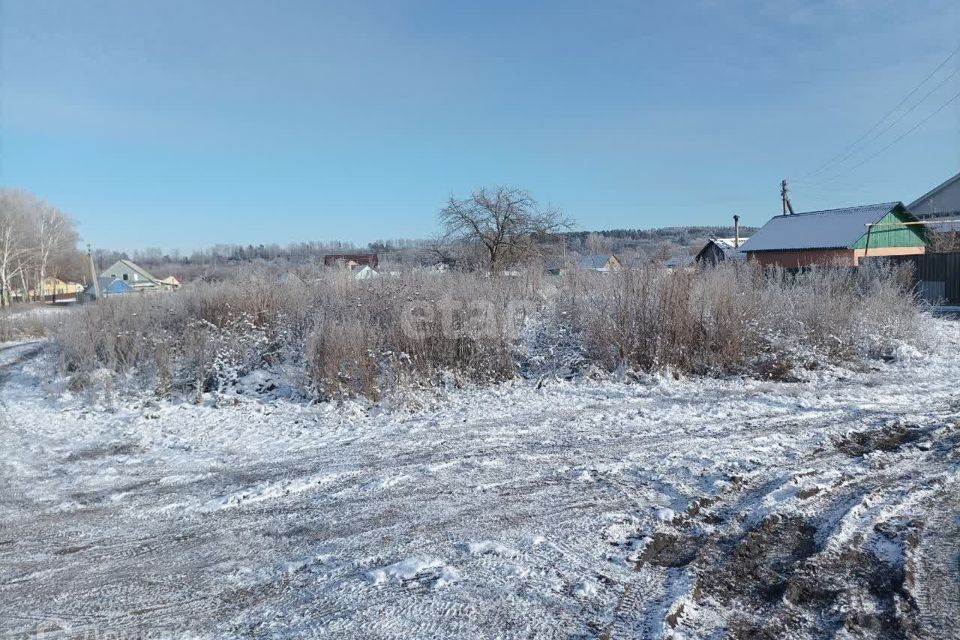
671, 508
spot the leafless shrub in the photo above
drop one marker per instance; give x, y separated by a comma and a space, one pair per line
350, 337
738, 317
366, 338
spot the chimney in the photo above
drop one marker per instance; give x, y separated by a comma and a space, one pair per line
736, 232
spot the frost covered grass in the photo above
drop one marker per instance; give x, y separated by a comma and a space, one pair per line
339, 336
741, 319
24, 323
333, 336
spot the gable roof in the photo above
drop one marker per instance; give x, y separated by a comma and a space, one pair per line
829, 229
131, 266
937, 189
939, 201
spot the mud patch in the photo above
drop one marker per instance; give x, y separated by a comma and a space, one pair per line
669, 550
776, 582
69, 551
761, 562
889, 438
105, 451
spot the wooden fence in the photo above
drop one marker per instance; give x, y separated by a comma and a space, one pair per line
937, 274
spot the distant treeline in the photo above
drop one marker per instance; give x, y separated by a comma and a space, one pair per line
405, 248
674, 234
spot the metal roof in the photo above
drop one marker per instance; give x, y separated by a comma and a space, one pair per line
830, 229
594, 262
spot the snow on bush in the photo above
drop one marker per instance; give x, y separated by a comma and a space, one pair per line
332, 336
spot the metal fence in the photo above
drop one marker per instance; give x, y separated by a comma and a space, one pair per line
937, 274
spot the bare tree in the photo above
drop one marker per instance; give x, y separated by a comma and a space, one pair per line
14, 245
943, 240
597, 244
506, 224
36, 240
55, 236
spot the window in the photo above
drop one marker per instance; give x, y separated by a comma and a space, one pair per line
125, 276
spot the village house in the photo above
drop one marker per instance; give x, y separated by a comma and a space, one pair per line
837, 236
125, 276
50, 289
133, 274
941, 202
718, 250
603, 264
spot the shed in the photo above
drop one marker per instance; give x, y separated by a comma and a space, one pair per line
837, 236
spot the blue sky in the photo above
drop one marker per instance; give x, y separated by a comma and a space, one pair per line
184, 124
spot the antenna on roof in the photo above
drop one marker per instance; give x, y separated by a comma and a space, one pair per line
787, 207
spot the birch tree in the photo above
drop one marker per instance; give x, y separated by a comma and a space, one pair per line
55, 236
36, 239
14, 245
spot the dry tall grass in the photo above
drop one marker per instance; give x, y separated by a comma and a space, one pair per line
350, 337
738, 317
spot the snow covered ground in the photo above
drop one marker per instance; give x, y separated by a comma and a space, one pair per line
668, 508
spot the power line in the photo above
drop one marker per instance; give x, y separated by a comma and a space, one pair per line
903, 135
902, 116
879, 122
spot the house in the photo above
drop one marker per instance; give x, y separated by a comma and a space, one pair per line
136, 276
351, 260
125, 276
603, 264
719, 249
943, 201
837, 236
50, 288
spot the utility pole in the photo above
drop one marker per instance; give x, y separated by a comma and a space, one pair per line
736, 232
93, 274
787, 207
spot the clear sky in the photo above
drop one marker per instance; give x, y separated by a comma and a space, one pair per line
187, 123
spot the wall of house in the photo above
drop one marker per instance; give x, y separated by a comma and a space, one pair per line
828, 257
804, 258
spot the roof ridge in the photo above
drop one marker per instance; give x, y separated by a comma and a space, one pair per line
891, 204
